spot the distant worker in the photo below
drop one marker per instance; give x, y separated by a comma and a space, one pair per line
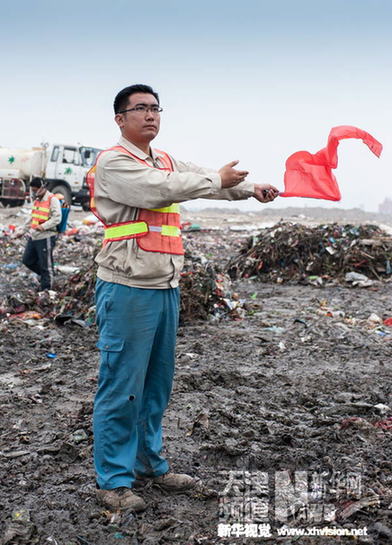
135, 191
45, 217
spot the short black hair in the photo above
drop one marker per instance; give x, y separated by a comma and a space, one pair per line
37, 182
121, 100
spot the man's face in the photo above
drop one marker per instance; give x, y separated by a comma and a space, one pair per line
38, 192
138, 125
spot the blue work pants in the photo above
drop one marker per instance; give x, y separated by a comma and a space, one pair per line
137, 337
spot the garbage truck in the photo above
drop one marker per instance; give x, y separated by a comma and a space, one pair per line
63, 167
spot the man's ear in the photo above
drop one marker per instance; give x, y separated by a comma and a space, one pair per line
119, 119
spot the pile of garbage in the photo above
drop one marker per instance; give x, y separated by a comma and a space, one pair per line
207, 293
74, 301
330, 252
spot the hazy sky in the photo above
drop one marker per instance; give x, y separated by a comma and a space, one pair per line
249, 80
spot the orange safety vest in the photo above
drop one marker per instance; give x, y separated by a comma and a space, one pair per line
40, 212
155, 229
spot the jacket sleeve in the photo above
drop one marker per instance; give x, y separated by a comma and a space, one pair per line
128, 182
55, 215
242, 191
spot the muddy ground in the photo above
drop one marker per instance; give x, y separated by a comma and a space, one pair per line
302, 383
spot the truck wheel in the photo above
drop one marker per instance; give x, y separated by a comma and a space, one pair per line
64, 191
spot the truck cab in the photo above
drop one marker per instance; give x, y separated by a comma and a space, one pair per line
66, 170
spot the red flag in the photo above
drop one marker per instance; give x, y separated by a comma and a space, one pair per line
310, 175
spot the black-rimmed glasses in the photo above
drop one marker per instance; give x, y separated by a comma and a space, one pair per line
144, 108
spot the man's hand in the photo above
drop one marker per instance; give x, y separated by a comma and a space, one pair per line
265, 192
231, 177
39, 228
18, 233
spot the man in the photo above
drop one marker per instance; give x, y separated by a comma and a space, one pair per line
135, 193
45, 216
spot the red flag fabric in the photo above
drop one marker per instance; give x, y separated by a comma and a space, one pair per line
310, 174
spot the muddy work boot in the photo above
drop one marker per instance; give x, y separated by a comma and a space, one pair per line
120, 498
175, 482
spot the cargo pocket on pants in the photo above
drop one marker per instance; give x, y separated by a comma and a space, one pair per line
110, 347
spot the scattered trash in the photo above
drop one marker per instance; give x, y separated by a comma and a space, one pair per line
83, 541
275, 329
374, 319
51, 355
384, 424
62, 319
382, 409
187, 227
299, 321
358, 279
79, 436
90, 220
28, 315
361, 423
381, 333
349, 510
315, 280
355, 277
67, 269
72, 231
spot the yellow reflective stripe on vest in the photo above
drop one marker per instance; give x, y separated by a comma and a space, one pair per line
43, 208
40, 216
126, 230
172, 209
165, 230
170, 231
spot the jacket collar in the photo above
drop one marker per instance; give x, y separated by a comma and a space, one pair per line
137, 151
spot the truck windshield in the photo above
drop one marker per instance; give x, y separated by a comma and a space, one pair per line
88, 156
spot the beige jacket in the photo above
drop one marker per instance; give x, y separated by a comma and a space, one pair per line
50, 226
122, 186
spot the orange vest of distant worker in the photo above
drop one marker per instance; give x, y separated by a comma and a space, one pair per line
40, 212
156, 229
